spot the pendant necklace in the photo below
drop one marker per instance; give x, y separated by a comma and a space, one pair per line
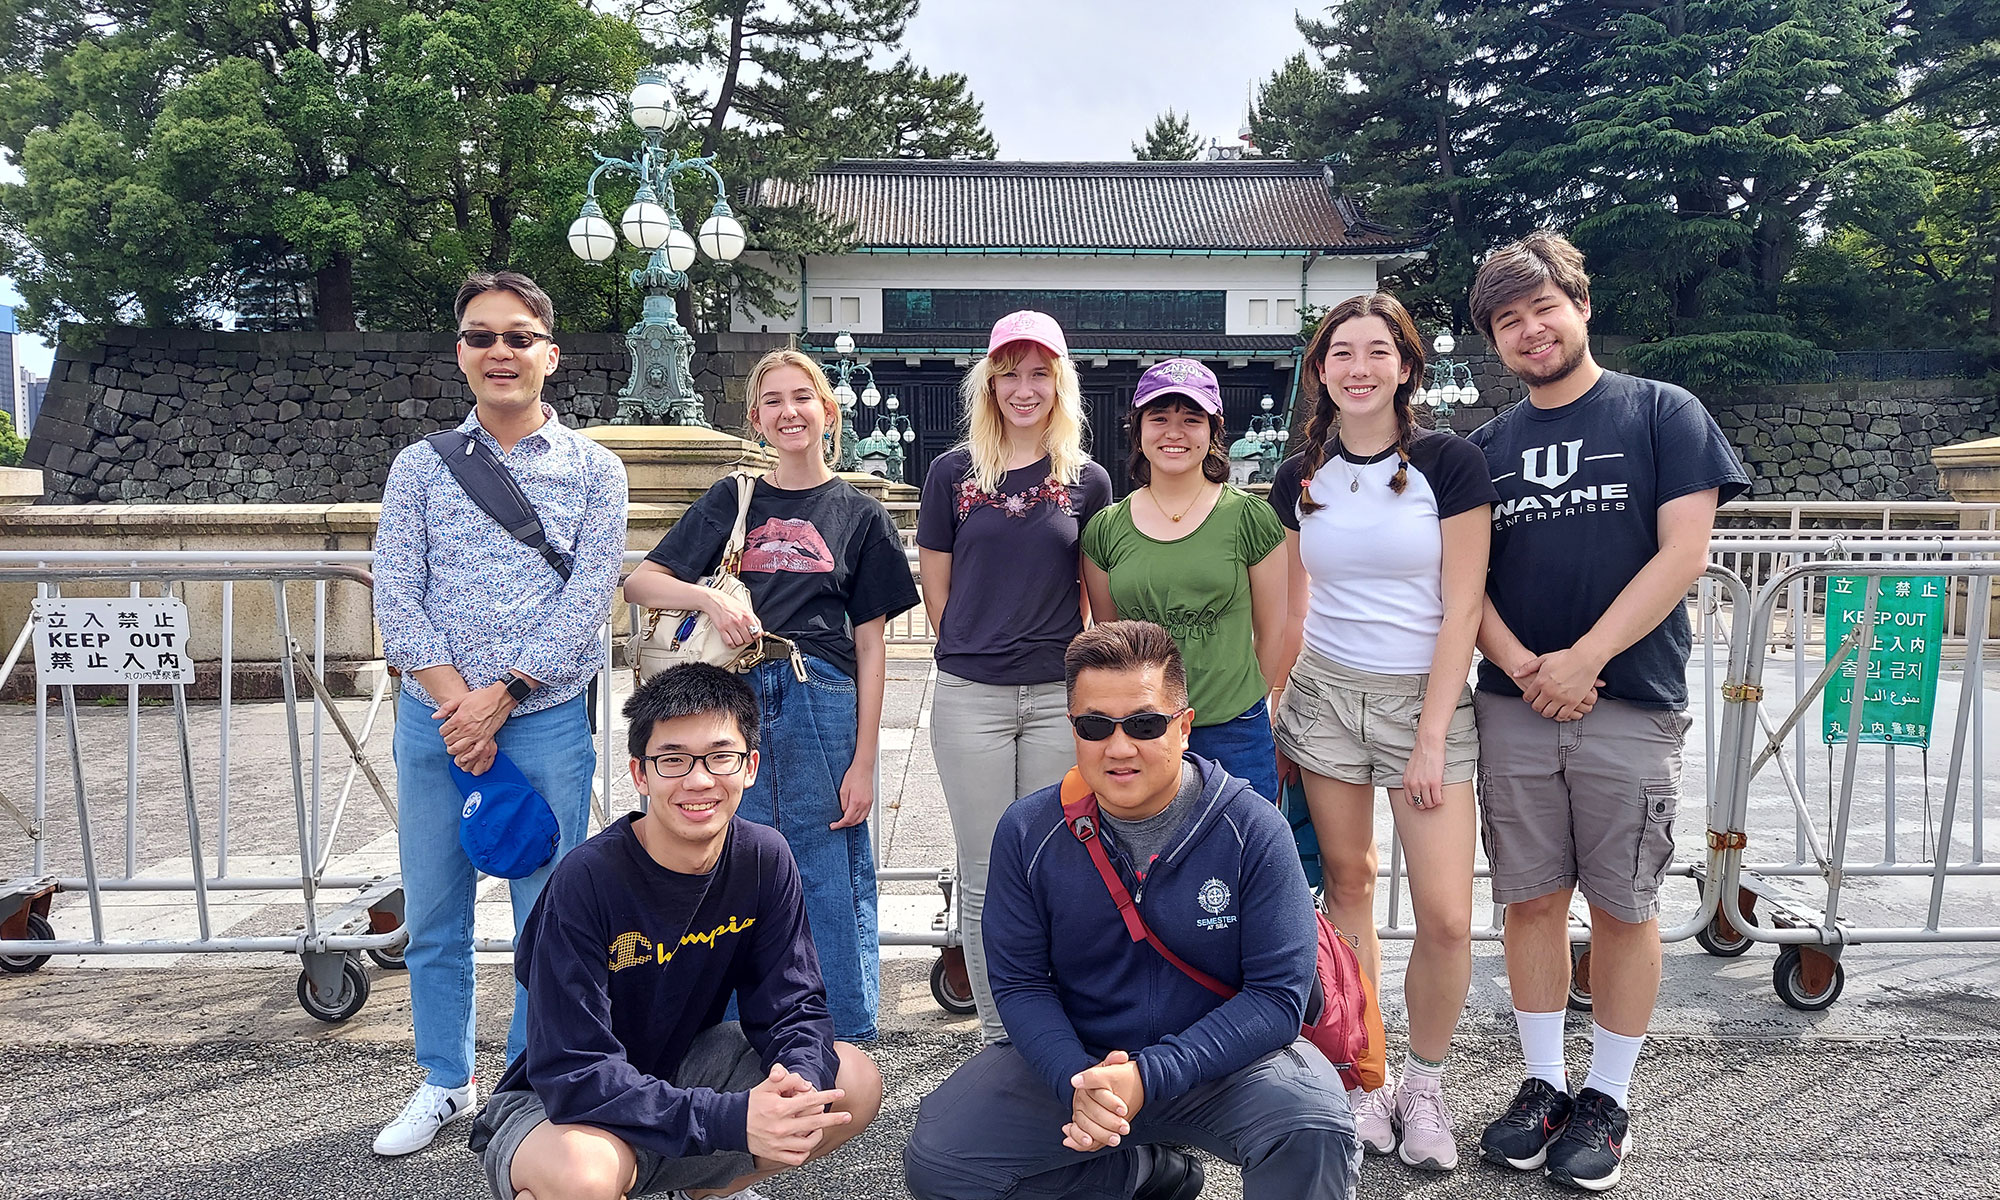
1353, 474
1175, 517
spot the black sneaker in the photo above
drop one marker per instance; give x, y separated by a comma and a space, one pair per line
1520, 1137
1176, 1175
1591, 1152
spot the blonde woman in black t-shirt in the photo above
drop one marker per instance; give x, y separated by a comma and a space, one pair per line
997, 543
826, 569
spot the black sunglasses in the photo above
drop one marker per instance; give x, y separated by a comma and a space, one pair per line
1140, 727
516, 339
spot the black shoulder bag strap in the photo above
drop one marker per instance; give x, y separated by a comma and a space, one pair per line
497, 493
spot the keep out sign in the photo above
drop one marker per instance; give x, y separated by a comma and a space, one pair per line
118, 640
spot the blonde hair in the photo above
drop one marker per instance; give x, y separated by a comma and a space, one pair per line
821, 388
986, 432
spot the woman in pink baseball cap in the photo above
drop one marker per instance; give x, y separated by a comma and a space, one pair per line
1190, 552
997, 540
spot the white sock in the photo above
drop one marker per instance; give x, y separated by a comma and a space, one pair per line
1612, 1057
1420, 1074
1542, 1046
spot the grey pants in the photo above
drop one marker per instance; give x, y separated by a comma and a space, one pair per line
993, 744
994, 1129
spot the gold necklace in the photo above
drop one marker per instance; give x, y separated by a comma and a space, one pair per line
1176, 517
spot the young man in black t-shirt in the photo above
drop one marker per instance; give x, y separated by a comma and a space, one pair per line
1608, 488
632, 1082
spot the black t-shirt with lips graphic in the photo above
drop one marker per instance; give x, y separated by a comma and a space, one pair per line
1580, 492
817, 562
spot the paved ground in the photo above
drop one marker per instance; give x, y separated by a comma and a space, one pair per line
177, 1074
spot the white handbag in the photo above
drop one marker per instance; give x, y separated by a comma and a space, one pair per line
669, 637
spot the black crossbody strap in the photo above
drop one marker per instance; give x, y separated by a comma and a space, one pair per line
491, 486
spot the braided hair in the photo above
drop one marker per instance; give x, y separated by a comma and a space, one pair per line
1323, 425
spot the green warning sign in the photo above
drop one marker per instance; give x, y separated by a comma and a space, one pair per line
1901, 689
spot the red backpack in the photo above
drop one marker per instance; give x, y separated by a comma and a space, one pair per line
1341, 1017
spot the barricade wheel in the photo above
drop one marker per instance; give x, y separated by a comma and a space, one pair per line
389, 960
39, 930
947, 996
1795, 978
353, 993
1722, 939
1579, 976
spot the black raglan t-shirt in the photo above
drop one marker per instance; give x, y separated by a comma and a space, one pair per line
1580, 490
818, 562
1016, 596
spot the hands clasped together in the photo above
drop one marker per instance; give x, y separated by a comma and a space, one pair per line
1108, 1096
789, 1118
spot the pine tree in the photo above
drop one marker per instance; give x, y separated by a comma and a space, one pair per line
1171, 138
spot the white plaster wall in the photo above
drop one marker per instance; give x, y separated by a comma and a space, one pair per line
845, 291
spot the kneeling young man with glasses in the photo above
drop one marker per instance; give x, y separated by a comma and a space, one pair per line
632, 1083
1116, 1058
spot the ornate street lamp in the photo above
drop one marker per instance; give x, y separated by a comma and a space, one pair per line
661, 390
1447, 382
1268, 430
846, 370
895, 430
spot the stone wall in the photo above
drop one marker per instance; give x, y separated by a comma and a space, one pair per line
185, 416
1854, 441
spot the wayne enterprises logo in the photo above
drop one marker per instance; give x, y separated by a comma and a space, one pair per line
1550, 468
636, 949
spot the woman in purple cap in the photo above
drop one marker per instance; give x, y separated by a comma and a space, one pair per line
1189, 552
997, 543
1388, 532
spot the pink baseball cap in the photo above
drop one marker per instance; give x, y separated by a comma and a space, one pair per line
1180, 377
1028, 326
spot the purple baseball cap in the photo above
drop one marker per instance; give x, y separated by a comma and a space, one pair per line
1028, 326
1180, 377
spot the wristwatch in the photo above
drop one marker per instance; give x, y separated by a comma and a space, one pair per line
518, 688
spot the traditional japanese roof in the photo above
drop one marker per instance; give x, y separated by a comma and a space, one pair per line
1083, 343
947, 205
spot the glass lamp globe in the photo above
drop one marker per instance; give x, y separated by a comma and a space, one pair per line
680, 249
844, 345
1265, 404
870, 396
1444, 343
894, 404
722, 237
645, 223
591, 237
1284, 435
652, 102
845, 395
909, 435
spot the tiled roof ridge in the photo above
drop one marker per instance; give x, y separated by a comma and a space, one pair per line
1039, 169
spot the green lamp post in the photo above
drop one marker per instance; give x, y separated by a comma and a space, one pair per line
661, 389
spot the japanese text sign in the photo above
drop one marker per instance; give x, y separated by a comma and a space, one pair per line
1900, 691
116, 640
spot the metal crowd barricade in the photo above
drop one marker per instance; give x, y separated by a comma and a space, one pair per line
1857, 872
332, 985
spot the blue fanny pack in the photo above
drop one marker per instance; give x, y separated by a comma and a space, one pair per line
506, 827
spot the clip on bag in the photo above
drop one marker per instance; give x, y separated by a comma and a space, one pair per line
506, 826
669, 637
1341, 1016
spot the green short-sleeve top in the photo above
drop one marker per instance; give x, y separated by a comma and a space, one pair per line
1198, 588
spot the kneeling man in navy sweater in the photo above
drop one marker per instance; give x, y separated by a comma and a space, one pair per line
632, 1082
1115, 1057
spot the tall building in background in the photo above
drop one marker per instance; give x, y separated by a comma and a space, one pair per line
29, 405
10, 372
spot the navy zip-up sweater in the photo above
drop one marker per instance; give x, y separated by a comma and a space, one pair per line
1227, 895
626, 961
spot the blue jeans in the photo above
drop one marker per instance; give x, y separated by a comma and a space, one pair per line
804, 750
1244, 748
554, 750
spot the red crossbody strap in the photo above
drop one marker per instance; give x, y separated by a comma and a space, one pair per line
1080, 814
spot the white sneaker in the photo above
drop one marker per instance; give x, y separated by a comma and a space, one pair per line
1375, 1117
430, 1109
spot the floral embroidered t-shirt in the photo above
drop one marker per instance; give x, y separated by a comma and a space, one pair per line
1198, 588
1016, 595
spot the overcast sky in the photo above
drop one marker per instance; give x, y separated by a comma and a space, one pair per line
1082, 79
1072, 79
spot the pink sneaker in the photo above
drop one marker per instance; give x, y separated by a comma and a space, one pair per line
1374, 1117
1426, 1124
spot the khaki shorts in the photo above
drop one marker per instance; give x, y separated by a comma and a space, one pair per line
1360, 727
1588, 804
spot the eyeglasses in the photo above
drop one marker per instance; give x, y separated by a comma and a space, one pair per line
1140, 727
516, 339
715, 762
